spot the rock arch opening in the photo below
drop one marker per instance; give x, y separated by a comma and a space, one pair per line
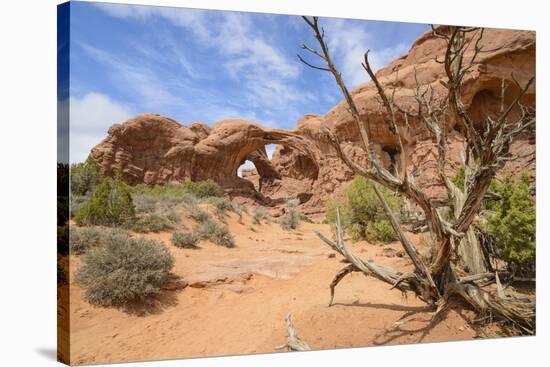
392, 158
279, 172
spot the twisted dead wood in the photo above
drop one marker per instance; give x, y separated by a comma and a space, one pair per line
457, 249
293, 342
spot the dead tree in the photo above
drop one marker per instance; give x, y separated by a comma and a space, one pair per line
453, 270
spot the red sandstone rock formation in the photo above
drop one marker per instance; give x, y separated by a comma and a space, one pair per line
153, 149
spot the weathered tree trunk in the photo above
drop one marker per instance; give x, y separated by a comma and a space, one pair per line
459, 261
470, 253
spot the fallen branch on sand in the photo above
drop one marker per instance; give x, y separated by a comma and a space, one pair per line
294, 343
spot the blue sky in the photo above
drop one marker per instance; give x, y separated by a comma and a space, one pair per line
205, 65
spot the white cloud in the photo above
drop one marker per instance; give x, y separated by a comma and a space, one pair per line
247, 56
348, 42
267, 73
90, 118
244, 52
143, 81
161, 56
381, 58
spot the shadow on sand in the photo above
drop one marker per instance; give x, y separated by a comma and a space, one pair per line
154, 306
415, 320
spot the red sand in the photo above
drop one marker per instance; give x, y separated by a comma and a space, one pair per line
245, 294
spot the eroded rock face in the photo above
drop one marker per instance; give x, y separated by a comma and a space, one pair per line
510, 52
153, 149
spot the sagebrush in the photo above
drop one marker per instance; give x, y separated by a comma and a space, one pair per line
124, 271
151, 222
211, 230
200, 189
185, 240
259, 215
292, 217
82, 239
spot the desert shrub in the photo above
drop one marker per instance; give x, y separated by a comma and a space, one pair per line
458, 178
223, 237
259, 215
173, 216
239, 207
185, 240
203, 189
200, 189
356, 231
151, 222
84, 176
164, 198
221, 206
338, 202
111, 205
124, 271
360, 206
239, 210
211, 230
150, 201
206, 229
145, 203
200, 215
82, 239
381, 230
291, 219
511, 221
76, 202
189, 199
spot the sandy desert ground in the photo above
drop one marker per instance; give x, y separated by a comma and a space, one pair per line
237, 300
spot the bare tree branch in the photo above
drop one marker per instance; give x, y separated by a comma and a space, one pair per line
293, 343
311, 65
487, 146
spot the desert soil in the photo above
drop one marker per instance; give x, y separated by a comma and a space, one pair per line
237, 300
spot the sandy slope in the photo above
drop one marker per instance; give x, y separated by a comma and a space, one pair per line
239, 297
